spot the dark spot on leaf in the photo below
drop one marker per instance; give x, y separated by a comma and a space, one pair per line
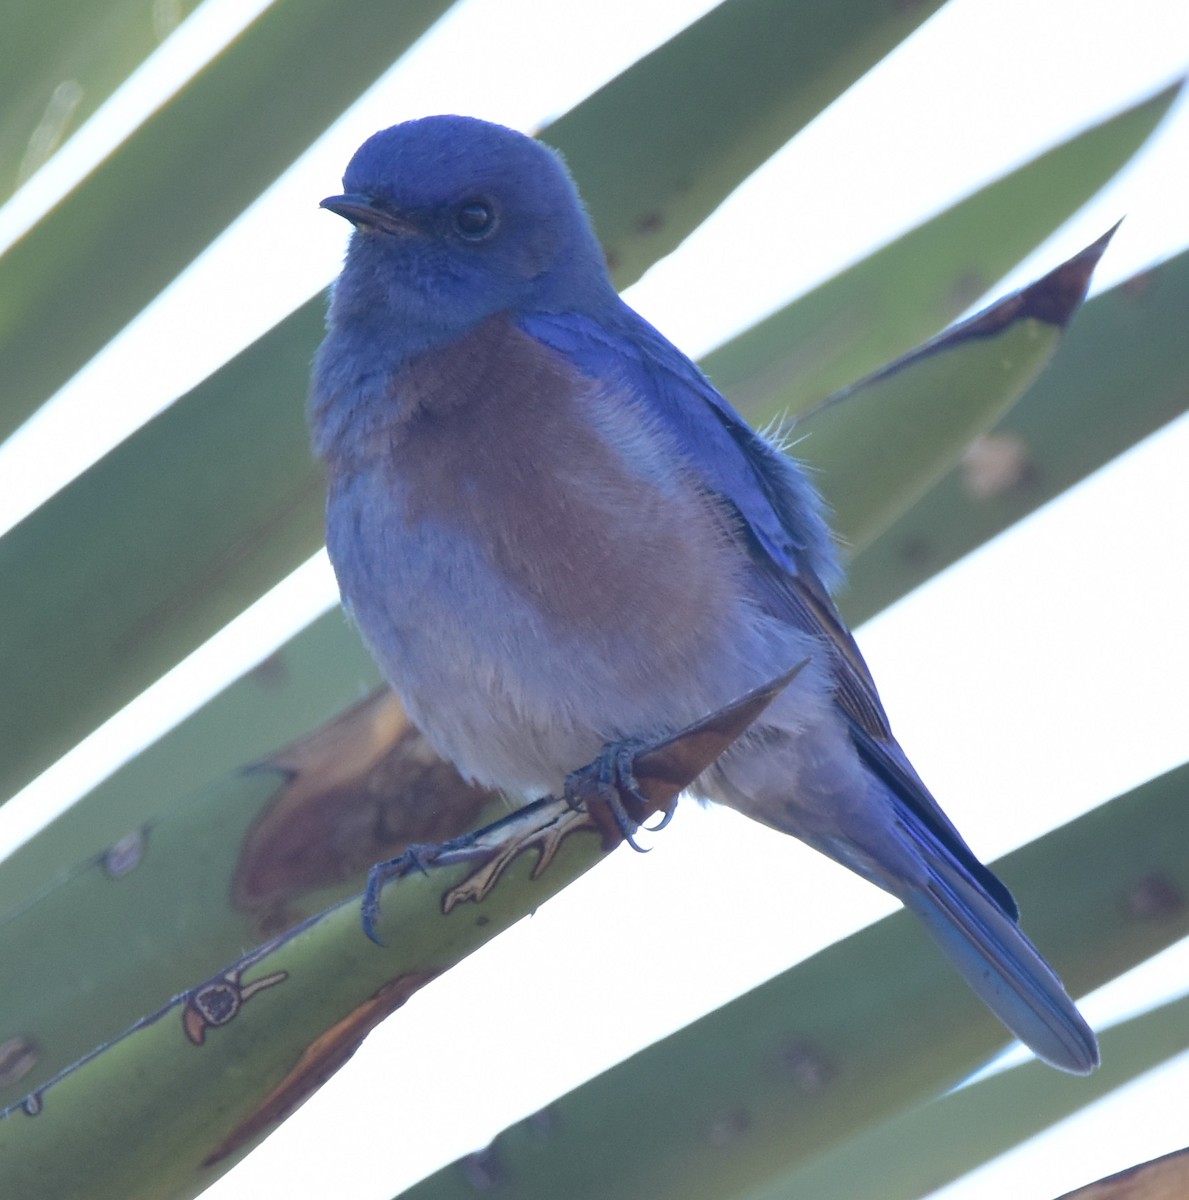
916, 552
271, 672
966, 289
650, 222
810, 1069
996, 464
18, 1056
541, 1123
126, 854
1138, 284
728, 1127
218, 1002
1155, 897
483, 1170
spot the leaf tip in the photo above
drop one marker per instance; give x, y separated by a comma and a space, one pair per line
1055, 297
670, 766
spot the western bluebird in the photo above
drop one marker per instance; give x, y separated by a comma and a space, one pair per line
555, 535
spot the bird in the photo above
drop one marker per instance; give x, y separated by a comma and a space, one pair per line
556, 536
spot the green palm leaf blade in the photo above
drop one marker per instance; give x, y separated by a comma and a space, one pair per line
59, 62
1119, 376
244, 1063
863, 1030
710, 124
258, 852
225, 497
821, 1053
880, 440
146, 211
899, 430
319, 672
926, 1147
877, 309
147, 1144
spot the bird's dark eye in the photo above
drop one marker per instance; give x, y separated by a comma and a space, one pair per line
474, 220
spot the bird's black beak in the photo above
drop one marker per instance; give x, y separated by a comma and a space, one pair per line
365, 210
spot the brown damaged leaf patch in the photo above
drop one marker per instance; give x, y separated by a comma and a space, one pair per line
320, 1060
1164, 1178
359, 789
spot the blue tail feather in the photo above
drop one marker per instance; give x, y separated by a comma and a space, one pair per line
1003, 967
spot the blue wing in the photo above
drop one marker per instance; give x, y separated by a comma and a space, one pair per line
780, 524
782, 514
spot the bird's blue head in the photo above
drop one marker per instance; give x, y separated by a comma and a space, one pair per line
456, 220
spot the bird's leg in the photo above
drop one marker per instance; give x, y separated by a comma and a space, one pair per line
415, 858
611, 794
605, 792
535, 826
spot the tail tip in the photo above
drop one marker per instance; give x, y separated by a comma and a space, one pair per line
1073, 1048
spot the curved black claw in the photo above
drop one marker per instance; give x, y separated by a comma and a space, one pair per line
609, 783
415, 858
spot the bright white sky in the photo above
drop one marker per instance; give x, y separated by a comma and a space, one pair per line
1057, 713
